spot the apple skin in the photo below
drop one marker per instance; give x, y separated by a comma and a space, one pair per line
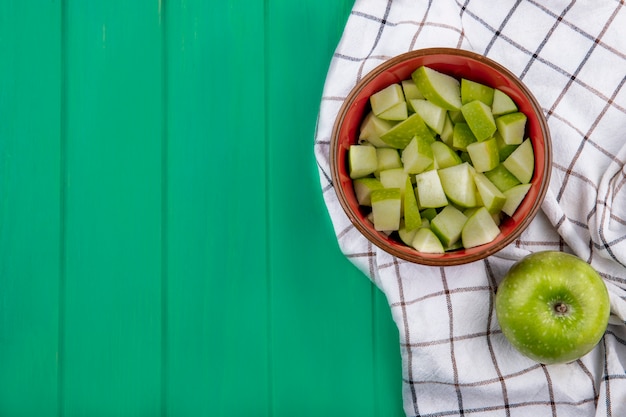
534, 289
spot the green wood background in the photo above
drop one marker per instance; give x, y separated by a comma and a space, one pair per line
164, 246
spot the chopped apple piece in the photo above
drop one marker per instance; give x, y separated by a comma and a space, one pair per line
521, 163
430, 192
426, 241
388, 158
362, 160
434, 116
512, 127
363, 188
386, 98
412, 217
471, 90
386, 209
371, 129
417, 156
479, 229
410, 92
458, 184
502, 103
514, 197
448, 224
401, 134
394, 178
444, 155
397, 112
492, 198
484, 155
479, 118
502, 178
439, 88
462, 136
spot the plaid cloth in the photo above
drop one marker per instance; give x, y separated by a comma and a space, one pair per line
572, 55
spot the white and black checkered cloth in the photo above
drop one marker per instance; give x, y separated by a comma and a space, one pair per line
572, 55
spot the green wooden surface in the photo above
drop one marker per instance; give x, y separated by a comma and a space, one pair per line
164, 246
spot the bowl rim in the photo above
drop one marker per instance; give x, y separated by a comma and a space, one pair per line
405, 252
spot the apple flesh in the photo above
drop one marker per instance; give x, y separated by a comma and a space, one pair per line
553, 307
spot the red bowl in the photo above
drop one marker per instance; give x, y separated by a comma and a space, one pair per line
460, 64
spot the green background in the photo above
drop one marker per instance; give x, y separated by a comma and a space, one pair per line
164, 246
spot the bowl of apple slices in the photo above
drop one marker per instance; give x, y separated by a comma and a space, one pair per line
440, 156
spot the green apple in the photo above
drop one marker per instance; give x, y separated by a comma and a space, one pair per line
480, 228
511, 127
417, 156
502, 178
412, 217
448, 225
444, 155
462, 136
521, 162
458, 184
434, 116
502, 103
439, 88
514, 197
386, 209
484, 155
553, 307
472, 90
492, 198
396, 112
394, 178
363, 188
401, 133
362, 160
410, 92
430, 192
426, 241
479, 118
386, 98
372, 128
388, 158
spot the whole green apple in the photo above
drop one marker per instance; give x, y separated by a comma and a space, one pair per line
553, 307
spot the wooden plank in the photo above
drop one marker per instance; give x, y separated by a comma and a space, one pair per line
112, 314
217, 335
324, 324
30, 82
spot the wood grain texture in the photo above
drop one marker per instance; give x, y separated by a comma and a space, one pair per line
164, 245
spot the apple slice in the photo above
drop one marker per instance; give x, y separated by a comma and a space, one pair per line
514, 197
444, 155
372, 127
394, 178
479, 118
458, 184
448, 224
504, 150
462, 136
502, 178
440, 89
502, 103
363, 188
406, 236
417, 156
401, 134
492, 198
479, 229
428, 214
484, 155
448, 131
434, 116
412, 217
426, 241
430, 192
472, 90
386, 209
512, 127
386, 98
396, 112
388, 158
521, 163
362, 160
410, 92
